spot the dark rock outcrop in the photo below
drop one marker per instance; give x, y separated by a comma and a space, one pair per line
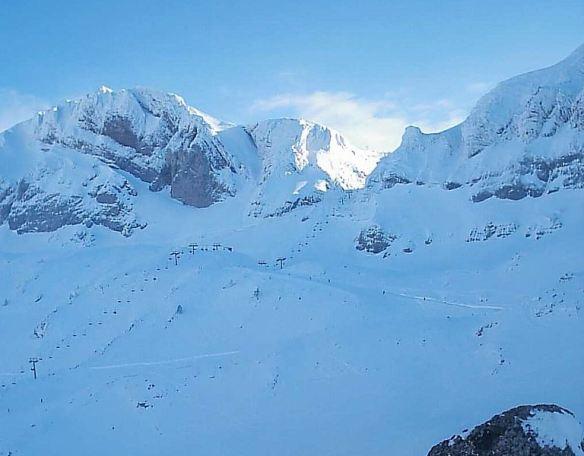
511, 434
289, 206
374, 240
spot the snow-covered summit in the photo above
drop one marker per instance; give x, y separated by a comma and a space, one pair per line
104, 89
135, 128
104, 137
302, 143
301, 160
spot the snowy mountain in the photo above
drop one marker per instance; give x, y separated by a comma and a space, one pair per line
279, 291
66, 166
158, 139
301, 161
524, 138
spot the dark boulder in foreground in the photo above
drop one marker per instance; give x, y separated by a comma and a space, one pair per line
527, 430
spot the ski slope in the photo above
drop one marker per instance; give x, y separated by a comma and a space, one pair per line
333, 355
318, 302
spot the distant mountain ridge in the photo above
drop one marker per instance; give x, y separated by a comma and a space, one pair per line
72, 164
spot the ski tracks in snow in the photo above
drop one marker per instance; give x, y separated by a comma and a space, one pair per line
359, 291
168, 361
443, 301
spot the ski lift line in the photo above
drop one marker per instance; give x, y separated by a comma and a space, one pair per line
194, 247
169, 361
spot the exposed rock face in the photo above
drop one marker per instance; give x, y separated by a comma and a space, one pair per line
193, 182
491, 230
198, 172
43, 189
289, 206
29, 208
527, 430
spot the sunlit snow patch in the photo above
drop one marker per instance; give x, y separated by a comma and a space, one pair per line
299, 187
321, 185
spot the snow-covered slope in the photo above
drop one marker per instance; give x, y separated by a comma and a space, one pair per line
373, 320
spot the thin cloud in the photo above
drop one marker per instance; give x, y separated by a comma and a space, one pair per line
376, 124
16, 107
479, 87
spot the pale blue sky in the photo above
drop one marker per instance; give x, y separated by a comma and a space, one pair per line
366, 67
